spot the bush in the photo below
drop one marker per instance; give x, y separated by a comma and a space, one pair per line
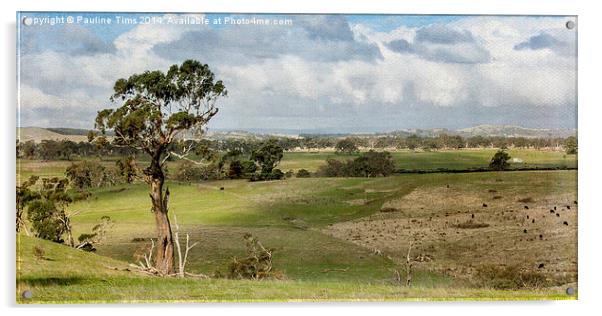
46, 211
45, 220
570, 145
86, 174
275, 174
370, 164
302, 173
241, 169
190, 172
499, 161
333, 168
346, 146
235, 170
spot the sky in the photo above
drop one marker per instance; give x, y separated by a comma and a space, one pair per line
322, 73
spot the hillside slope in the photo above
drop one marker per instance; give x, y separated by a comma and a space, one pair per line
37, 134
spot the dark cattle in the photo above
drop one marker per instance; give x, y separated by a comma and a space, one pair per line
540, 236
527, 216
533, 221
552, 211
568, 207
472, 216
540, 266
524, 231
554, 208
526, 207
484, 205
557, 214
221, 189
566, 223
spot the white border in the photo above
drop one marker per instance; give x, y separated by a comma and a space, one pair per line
590, 218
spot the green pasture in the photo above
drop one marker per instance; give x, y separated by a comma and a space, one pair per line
286, 215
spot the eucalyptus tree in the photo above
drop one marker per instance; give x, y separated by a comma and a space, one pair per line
156, 110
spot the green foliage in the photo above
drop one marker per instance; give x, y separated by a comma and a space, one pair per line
87, 174
500, 159
126, 168
570, 145
89, 240
190, 172
303, 173
46, 211
241, 169
346, 146
370, 164
267, 156
24, 196
157, 106
275, 174
235, 170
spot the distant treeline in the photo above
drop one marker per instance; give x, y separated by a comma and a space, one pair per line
66, 149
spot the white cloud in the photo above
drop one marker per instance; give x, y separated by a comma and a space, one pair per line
294, 84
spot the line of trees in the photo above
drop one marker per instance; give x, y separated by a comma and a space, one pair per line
67, 150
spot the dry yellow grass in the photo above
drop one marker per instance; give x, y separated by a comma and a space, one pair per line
445, 222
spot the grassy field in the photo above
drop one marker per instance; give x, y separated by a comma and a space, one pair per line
432, 160
453, 159
312, 224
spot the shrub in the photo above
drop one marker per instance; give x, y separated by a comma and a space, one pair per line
333, 168
275, 174
570, 145
235, 170
44, 217
302, 173
86, 174
346, 146
370, 164
46, 211
499, 161
190, 172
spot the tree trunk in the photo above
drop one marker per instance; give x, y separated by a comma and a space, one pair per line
164, 252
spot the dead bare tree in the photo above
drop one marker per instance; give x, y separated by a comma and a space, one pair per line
65, 218
181, 260
409, 265
147, 266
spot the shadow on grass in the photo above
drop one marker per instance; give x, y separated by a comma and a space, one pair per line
51, 281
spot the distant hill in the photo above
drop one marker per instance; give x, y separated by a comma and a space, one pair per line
514, 131
38, 134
